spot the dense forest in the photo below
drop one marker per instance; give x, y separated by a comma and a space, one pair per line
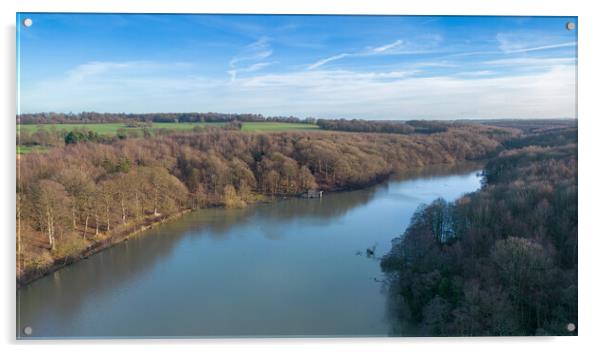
90, 193
500, 261
393, 127
93, 117
530, 126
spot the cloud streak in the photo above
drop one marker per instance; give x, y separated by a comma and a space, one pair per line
393, 94
251, 54
319, 63
383, 49
407, 95
250, 68
513, 43
311, 66
425, 43
543, 47
386, 47
530, 62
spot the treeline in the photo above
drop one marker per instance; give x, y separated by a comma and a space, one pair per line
393, 127
544, 139
77, 136
92, 117
73, 197
530, 126
56, 136
500, 261
356, 125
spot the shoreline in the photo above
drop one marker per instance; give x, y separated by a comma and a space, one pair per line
96, 248
111, 241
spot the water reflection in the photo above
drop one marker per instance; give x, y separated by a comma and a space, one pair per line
284, 268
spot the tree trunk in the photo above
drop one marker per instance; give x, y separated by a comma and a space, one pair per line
73, 217
139, 208
122, 210
86, 226
156, 201
108, 219
50, 226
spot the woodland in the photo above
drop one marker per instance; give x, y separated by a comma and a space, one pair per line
499, 261
90, 191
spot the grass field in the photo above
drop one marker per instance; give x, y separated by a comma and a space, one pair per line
111, 128
29, 149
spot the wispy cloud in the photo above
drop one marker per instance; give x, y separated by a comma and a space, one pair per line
444, 64
115, 86
86, 70
529, 62
250, 68
257, 50
111, 69
395, 94
250, 55
311, 66
543, 47
403, 95
319, 63
397, 47
511, 43
478, 73
326, 78
387, 46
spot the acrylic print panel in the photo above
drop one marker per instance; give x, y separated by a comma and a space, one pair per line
272, 175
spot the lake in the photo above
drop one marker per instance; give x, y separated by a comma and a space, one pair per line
295, 267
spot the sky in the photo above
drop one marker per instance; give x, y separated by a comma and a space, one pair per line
363, 67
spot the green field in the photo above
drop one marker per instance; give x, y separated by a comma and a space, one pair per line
29, 149
111, 128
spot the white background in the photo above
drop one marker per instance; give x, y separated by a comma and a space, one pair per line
590, 150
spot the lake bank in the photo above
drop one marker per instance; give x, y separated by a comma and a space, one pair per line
295, 260
96, 247
135, 229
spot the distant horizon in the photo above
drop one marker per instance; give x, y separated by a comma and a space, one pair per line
328, 67
294, 116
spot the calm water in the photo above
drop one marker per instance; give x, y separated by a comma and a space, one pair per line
295, 267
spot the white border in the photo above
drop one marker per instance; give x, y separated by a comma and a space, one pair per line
428, 7
590, 128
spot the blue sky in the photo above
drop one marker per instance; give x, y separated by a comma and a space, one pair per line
370, 67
